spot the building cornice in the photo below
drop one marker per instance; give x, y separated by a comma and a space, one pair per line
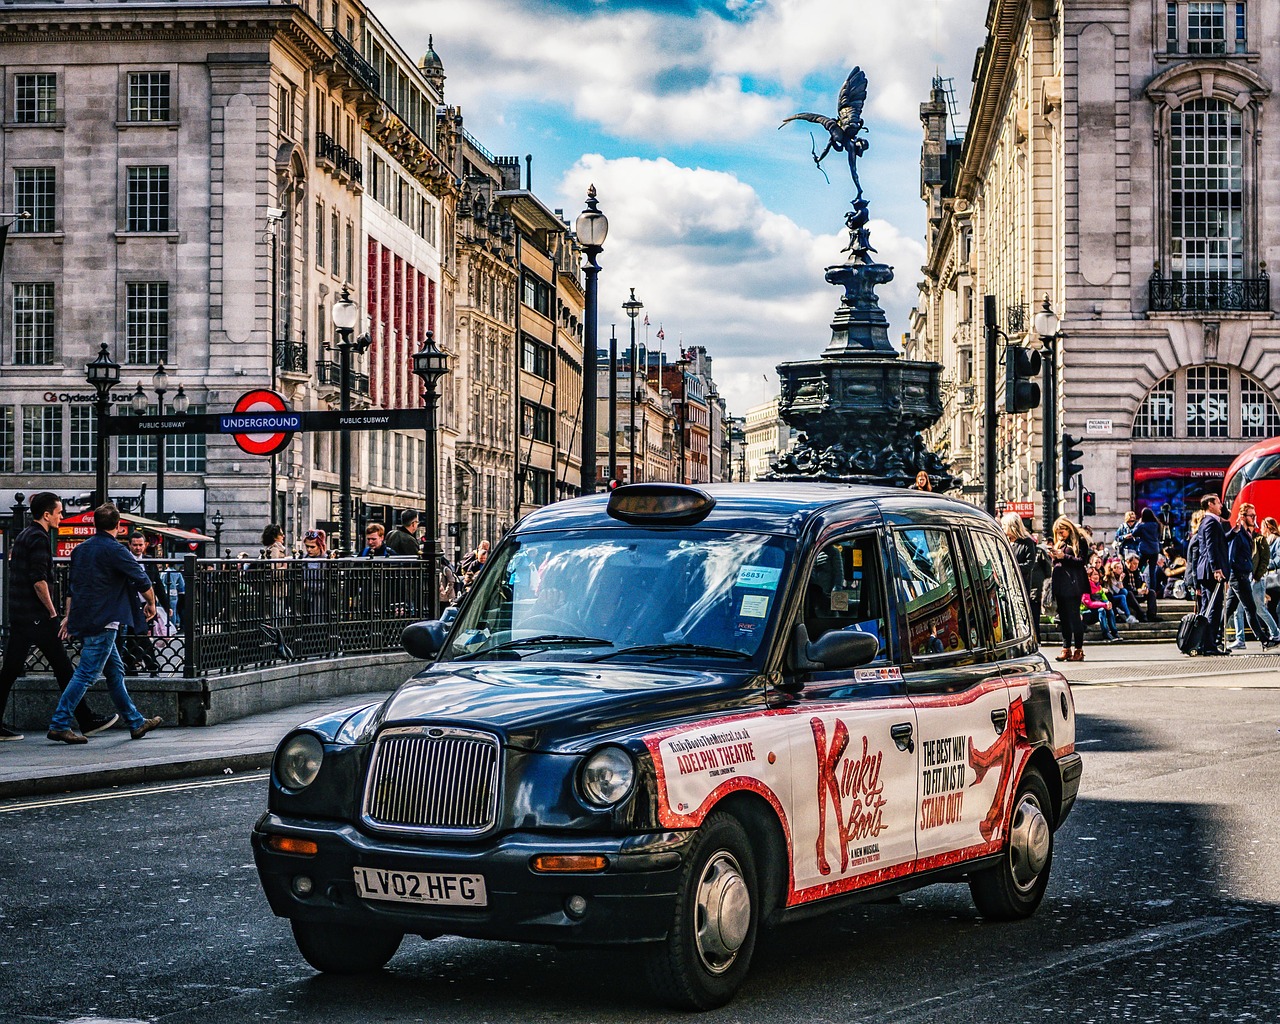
994, 78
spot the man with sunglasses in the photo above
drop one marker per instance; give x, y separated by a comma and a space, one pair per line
1241, 598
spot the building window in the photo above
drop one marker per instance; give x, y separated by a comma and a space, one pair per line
42, 439
535, 422
148, 199
84, 439
1207, 196
185, 453
537, 487
33, 193
284, 110
536, 293
149, 96
6, 439
135, 453
335, 244
1258, 414
1155, 415
351, 252
1171, 28
1206, 28
33, 324
1208, 401
536, 358
320, 234
147, 322
35, 98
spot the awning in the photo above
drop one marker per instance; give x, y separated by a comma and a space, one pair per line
164, 529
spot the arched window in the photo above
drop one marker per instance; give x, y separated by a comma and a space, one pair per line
1207, 402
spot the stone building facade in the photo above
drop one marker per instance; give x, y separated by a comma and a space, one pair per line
1115, 162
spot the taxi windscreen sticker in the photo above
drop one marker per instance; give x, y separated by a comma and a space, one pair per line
754, 606
758, 577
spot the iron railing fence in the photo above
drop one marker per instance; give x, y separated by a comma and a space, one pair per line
233, 615
1209, 295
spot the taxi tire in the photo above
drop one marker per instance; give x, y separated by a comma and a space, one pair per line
997, 892
338, 949
720, 866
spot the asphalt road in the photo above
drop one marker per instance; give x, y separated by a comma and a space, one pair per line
142, 904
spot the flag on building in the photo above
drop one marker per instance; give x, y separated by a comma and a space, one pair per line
646, 319
660, 335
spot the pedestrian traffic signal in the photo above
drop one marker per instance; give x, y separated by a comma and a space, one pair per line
1089, 504
1071, 460
1021, 367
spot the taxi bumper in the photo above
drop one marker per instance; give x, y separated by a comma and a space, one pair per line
632, 900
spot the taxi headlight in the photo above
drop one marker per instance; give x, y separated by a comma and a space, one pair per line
298, 762
607, 776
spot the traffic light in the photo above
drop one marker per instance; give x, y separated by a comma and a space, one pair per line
1021, 367
1071, 456
1090, 504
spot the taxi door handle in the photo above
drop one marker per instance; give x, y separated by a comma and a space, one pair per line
998, 718
902, 737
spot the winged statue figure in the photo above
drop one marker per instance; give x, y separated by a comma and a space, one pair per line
846, 127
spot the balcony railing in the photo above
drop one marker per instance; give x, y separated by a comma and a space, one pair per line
341, 160
325, 147
358, 66
291, 356
329, 372
1212, 295
1016, 318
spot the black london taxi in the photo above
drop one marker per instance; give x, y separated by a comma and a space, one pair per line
672, 716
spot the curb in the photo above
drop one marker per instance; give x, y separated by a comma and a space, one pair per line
105, 778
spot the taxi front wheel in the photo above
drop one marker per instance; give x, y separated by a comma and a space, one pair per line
708, 950
337, 949
1014, 888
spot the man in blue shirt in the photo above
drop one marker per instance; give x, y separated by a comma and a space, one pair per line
105, 583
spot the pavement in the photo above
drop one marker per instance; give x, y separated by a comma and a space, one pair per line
36, 765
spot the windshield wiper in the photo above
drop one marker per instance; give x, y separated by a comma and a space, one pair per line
675, 650
543, 639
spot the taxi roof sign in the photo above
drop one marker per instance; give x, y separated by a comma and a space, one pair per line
660, 504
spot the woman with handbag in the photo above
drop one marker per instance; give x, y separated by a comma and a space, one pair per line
1070, 554
1271, 581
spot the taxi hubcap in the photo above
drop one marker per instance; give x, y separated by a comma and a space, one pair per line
723, 912
1030, 842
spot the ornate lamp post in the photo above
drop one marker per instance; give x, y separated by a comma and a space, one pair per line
592, 228
217, 522
430, 364
632, 307
104, 374
613, 405
139, 402
346, 314
1047, 325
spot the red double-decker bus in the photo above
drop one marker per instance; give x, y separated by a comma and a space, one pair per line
1255, 478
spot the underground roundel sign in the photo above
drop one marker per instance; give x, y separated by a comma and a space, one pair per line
261, 423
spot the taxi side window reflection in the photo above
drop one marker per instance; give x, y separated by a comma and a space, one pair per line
844, 590
1001, 588
924, 573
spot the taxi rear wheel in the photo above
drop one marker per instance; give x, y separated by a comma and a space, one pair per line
707, 952
1014, 888
337, 949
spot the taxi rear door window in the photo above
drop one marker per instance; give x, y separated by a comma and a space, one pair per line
925, 573
845, 590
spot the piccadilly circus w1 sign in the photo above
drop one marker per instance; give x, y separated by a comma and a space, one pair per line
261, 423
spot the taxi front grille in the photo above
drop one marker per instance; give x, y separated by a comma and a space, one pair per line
433, 779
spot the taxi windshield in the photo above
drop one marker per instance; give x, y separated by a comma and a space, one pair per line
625, 594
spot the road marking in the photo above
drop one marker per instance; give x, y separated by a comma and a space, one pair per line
1145, 941
177, 787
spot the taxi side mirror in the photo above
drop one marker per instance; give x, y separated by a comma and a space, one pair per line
839, 648
424, 639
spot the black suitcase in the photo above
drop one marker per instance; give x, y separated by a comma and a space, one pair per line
1194, 629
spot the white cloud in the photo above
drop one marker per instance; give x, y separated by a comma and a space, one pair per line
716, 268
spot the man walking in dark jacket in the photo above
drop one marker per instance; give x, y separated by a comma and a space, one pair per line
403, 540
33, 612
1213, 563
105, 583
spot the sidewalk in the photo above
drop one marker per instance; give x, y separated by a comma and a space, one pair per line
35, 765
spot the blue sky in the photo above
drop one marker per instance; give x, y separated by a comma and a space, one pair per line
719, 220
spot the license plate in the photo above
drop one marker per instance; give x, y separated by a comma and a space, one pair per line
423, 888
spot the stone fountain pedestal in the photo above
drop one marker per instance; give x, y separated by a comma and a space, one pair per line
860, 407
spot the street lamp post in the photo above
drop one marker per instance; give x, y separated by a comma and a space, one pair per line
217, 521
430, 363
682, 364
346, 315
1047, 324
592, 227
160, 383
632, 307
613, 404
104, 374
